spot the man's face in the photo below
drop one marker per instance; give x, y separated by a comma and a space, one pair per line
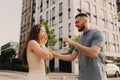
79, 23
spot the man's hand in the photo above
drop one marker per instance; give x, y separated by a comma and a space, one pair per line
69, 41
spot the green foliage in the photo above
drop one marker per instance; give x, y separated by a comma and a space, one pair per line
20, 68
72, 47
16, 61
51, 35
51, 39
6, 55
6, 66
118, 15
47, 70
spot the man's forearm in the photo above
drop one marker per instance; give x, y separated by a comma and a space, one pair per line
88, 51
67, 57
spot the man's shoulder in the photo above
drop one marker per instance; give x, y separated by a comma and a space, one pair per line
95, 30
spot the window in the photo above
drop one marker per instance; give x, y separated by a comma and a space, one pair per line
69, 27
47, 3
87, 7
94, 10
60, 12
47, 16
41, 5
94, 14
60, 37
60, 19
102, 14
53, 11
104, 3
110, 5
53, 16
105, 36
53, 21
69, 13
60, 32
53, 1
40, 18
94, 20
79, 3
69, 10
33, 16
117, 40
68, 3
60, 7
69, 30
106, 20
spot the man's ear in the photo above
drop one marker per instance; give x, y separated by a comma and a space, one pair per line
85, 21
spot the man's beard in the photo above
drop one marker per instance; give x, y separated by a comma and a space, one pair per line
82, 28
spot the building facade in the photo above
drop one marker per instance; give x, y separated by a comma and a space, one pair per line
27, 20
11, 45
118, 5
0, 50
60, 16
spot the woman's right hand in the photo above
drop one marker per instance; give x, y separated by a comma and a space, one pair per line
53, 52
43, 39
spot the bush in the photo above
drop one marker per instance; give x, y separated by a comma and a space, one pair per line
16, 61
20, 68
47, 69
5, 66
118, 65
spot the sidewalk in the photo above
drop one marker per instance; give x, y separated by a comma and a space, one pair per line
15, 75
11, 75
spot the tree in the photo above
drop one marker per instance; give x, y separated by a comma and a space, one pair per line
51, 35
6, 55
118, 16
51, 40
72, 47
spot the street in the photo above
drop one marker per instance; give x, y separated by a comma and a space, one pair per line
112, 78
15, 75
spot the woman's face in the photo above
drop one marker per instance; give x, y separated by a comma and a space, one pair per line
42, 32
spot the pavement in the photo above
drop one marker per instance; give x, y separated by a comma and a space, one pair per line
12, 75
16, 75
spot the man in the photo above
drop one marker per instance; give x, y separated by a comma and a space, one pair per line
89, 48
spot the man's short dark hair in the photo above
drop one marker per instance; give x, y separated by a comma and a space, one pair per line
81, 15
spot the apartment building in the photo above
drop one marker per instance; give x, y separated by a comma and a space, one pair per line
60, 16
11, 45
27, 20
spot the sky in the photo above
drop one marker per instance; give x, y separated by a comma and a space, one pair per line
10, 20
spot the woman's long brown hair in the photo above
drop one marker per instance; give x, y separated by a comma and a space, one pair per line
33, 35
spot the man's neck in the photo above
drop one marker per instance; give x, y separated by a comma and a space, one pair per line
87, 28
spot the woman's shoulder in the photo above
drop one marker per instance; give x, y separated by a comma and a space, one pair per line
32, 42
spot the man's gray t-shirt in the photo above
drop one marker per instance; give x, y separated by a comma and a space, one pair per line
91, 69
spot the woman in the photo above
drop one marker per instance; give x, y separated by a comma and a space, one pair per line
36, 52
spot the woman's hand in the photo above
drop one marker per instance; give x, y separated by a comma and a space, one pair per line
43, 39
51, 54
